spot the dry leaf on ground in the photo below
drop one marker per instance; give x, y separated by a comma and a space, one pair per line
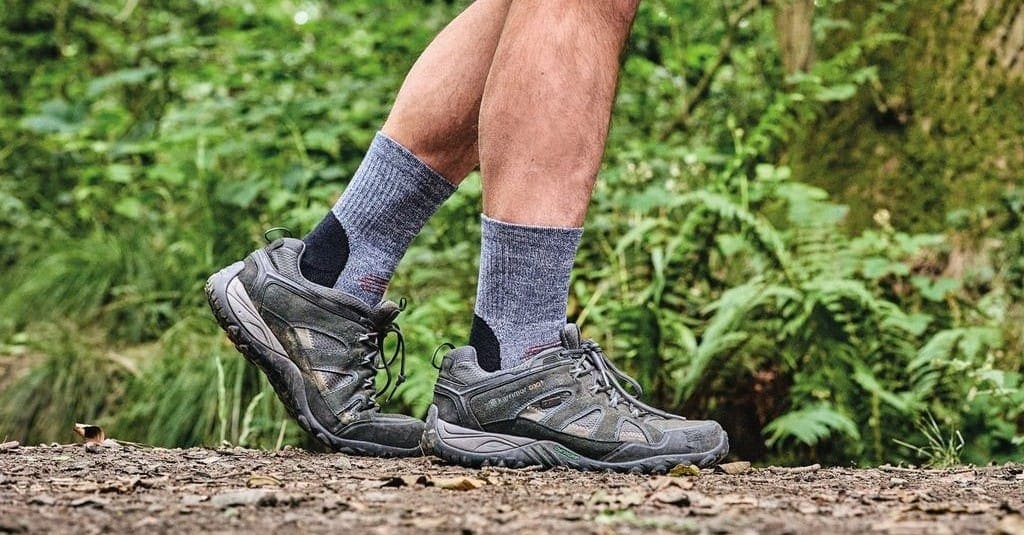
262, 480
681, 470
91, 433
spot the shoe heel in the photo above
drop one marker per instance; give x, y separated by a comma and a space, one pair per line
236, 312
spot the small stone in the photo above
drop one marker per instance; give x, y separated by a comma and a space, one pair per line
10, 446
244, 497
12, 526
897, 481
672, 495
193, 499
343, 464
42, 500
734, 469
93, 447
1011, 525
89, 501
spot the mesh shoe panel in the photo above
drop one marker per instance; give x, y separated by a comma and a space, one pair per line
584, 425
631, 432
334, 381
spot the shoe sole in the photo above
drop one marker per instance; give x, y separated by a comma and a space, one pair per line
253, 338
475, 449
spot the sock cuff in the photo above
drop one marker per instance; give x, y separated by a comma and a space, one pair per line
393, 191
431, 183
386, 204
555, 240
524, 271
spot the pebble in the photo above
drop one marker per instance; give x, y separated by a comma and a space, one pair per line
42, 500
244, 497
735, 469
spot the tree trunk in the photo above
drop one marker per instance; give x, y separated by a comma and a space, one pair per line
794, 32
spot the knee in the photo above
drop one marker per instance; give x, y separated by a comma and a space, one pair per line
617, 14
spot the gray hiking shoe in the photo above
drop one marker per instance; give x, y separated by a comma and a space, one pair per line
563, 407
320, 349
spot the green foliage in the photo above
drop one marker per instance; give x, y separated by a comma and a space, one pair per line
940, 451
143, 151
811, 425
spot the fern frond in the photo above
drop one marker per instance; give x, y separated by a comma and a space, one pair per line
810, 425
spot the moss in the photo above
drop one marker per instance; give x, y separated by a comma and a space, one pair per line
942, 130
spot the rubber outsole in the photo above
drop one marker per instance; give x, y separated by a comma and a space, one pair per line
238, 317
476, 449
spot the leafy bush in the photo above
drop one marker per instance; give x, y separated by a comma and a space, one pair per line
147, 149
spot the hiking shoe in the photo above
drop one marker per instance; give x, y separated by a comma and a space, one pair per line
563, 407
320, 349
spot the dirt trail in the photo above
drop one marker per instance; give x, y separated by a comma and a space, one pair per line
99, 489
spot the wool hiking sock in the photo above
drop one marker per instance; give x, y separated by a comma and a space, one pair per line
326, 252
357, 246
522, 292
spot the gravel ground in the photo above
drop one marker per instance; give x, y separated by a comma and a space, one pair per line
119, 488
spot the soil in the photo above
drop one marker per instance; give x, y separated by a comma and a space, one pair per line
119, 488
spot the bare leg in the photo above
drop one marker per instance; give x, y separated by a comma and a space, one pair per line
436, 112
546, 107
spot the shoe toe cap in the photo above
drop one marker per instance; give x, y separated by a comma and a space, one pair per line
694, 436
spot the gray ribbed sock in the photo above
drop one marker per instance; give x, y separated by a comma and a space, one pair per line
523, 290
384, 207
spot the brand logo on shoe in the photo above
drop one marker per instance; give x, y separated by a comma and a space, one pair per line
506, 398
568, 454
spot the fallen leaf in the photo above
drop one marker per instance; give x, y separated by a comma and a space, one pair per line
260, 480
458, 483
734, 469
681, 470
91, 433
405, 481
121, 486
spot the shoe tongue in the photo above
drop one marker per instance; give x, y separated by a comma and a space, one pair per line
571, 336
385, 312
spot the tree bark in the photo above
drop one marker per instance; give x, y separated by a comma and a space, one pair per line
795, 34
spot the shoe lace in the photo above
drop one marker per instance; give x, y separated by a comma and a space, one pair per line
608, 378
377, 360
